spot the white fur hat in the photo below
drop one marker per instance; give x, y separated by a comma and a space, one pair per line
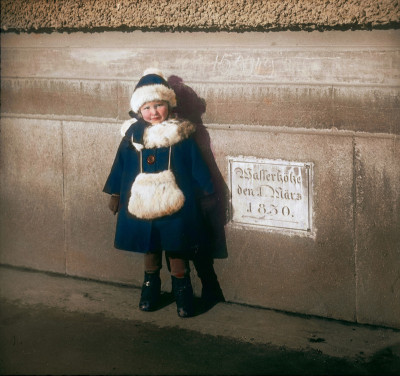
152, 87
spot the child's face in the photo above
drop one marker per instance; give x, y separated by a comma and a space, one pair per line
154, 112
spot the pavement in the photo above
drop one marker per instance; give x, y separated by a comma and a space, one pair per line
55, 324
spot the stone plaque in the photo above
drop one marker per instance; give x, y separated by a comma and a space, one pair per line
271, 193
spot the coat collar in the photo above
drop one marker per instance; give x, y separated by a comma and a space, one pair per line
169, 132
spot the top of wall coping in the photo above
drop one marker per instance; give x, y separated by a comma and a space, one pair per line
198, 15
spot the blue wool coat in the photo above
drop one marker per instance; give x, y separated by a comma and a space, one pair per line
183, 230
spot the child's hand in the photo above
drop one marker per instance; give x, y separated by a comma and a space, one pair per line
114, 203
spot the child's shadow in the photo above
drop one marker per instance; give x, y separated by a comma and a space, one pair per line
191, 107
168, 298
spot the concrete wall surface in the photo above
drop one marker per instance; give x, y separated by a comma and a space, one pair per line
330, 99
215, 15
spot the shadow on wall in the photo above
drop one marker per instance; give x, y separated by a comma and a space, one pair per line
191, 107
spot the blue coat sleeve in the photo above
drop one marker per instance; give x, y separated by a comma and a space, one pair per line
113, 183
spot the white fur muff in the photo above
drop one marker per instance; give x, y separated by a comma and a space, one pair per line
155, 195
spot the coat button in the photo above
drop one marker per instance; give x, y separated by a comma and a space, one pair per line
151, 159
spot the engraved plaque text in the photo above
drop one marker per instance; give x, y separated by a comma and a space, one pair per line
270, 193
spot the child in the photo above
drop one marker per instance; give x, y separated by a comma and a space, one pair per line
156, 176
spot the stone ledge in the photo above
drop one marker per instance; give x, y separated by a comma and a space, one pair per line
354, 109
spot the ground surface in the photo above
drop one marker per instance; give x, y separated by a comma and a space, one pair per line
57, 325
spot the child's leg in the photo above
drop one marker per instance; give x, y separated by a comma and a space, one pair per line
151, 287
152, 262
178, 266
181, 284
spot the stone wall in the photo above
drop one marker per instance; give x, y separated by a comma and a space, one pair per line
330, 99
326, 99
195, 15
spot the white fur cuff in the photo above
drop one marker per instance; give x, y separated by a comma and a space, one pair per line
126, 125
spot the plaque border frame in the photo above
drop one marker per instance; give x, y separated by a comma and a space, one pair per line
310, 174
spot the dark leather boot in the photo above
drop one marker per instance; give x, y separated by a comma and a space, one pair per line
183, 292
151, 289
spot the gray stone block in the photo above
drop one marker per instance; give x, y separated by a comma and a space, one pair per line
59, 97
329, 58
89, 150
279, 269
366, 109
31, 189
377, 249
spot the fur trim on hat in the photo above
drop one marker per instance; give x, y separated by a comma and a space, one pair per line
153, 71
150, 93
167, 133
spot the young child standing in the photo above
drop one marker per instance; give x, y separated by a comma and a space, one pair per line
157, 174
